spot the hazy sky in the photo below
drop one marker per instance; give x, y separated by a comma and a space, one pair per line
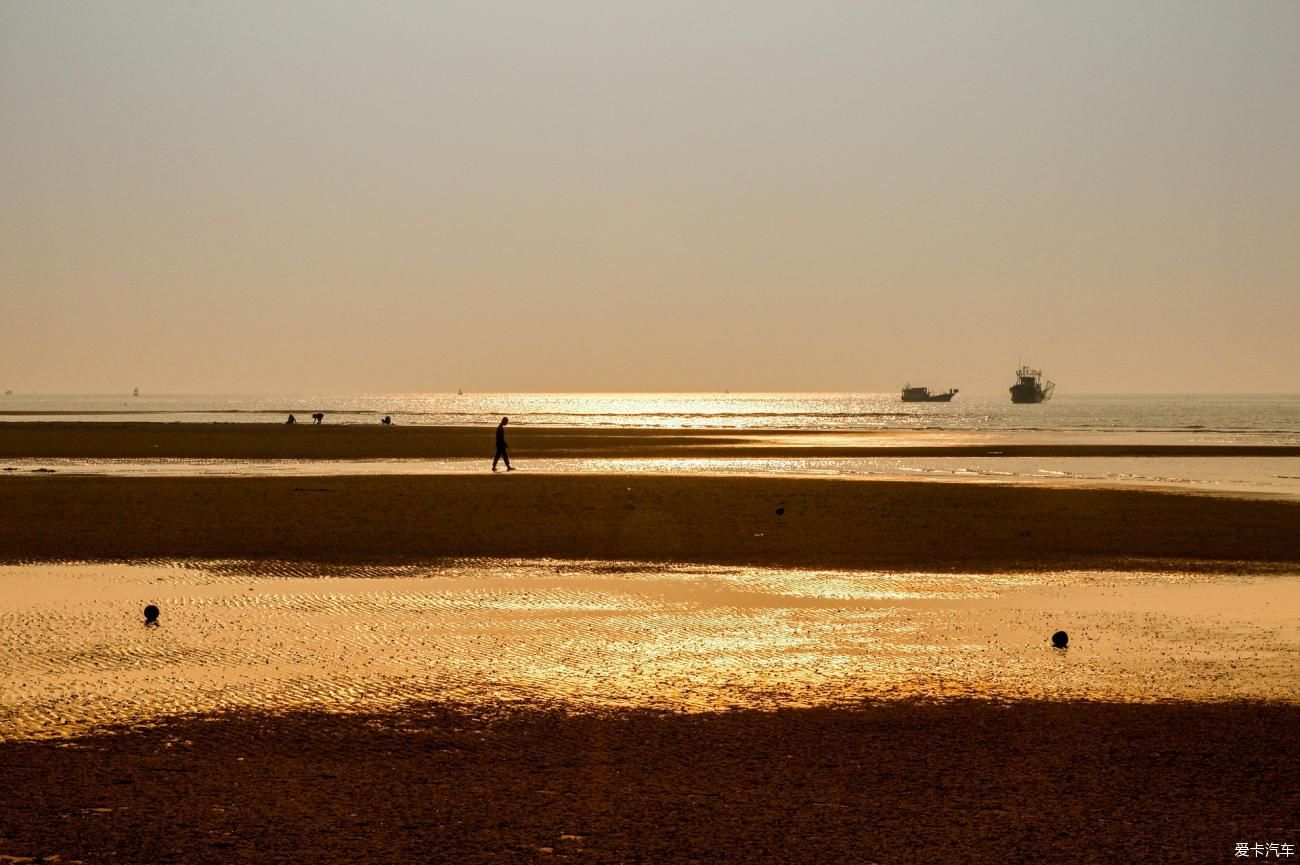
235, 196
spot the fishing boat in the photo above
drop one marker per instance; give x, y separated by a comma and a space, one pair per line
1031, 387
922, 394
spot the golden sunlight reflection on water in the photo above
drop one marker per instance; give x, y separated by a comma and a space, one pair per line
1223, 475
74, 653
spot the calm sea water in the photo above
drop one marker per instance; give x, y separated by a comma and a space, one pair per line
1261, 417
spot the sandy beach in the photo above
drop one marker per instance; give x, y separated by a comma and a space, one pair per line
825, 523
657, 668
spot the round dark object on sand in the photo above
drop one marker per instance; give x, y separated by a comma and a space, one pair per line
1060, 639
780, 512
150, 614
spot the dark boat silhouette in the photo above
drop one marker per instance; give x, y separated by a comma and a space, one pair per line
922, 394
1031, 387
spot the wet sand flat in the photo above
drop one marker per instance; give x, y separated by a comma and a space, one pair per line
75, 655
508, 711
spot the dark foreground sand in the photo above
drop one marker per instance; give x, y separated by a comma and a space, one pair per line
960, 783
826, 523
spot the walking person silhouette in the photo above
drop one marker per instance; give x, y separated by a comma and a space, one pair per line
503, 449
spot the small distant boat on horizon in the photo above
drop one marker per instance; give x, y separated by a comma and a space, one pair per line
135, 392
459, 392
922, 394
1031, 387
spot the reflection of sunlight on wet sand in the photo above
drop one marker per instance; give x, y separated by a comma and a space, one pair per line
74, 652
1224, 475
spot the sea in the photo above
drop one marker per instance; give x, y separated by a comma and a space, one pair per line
1246, 418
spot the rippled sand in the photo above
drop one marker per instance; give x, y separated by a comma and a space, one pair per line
75, 654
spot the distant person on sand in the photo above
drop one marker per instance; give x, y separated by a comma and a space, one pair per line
503, 449
386, 420
318, 416
291, 420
